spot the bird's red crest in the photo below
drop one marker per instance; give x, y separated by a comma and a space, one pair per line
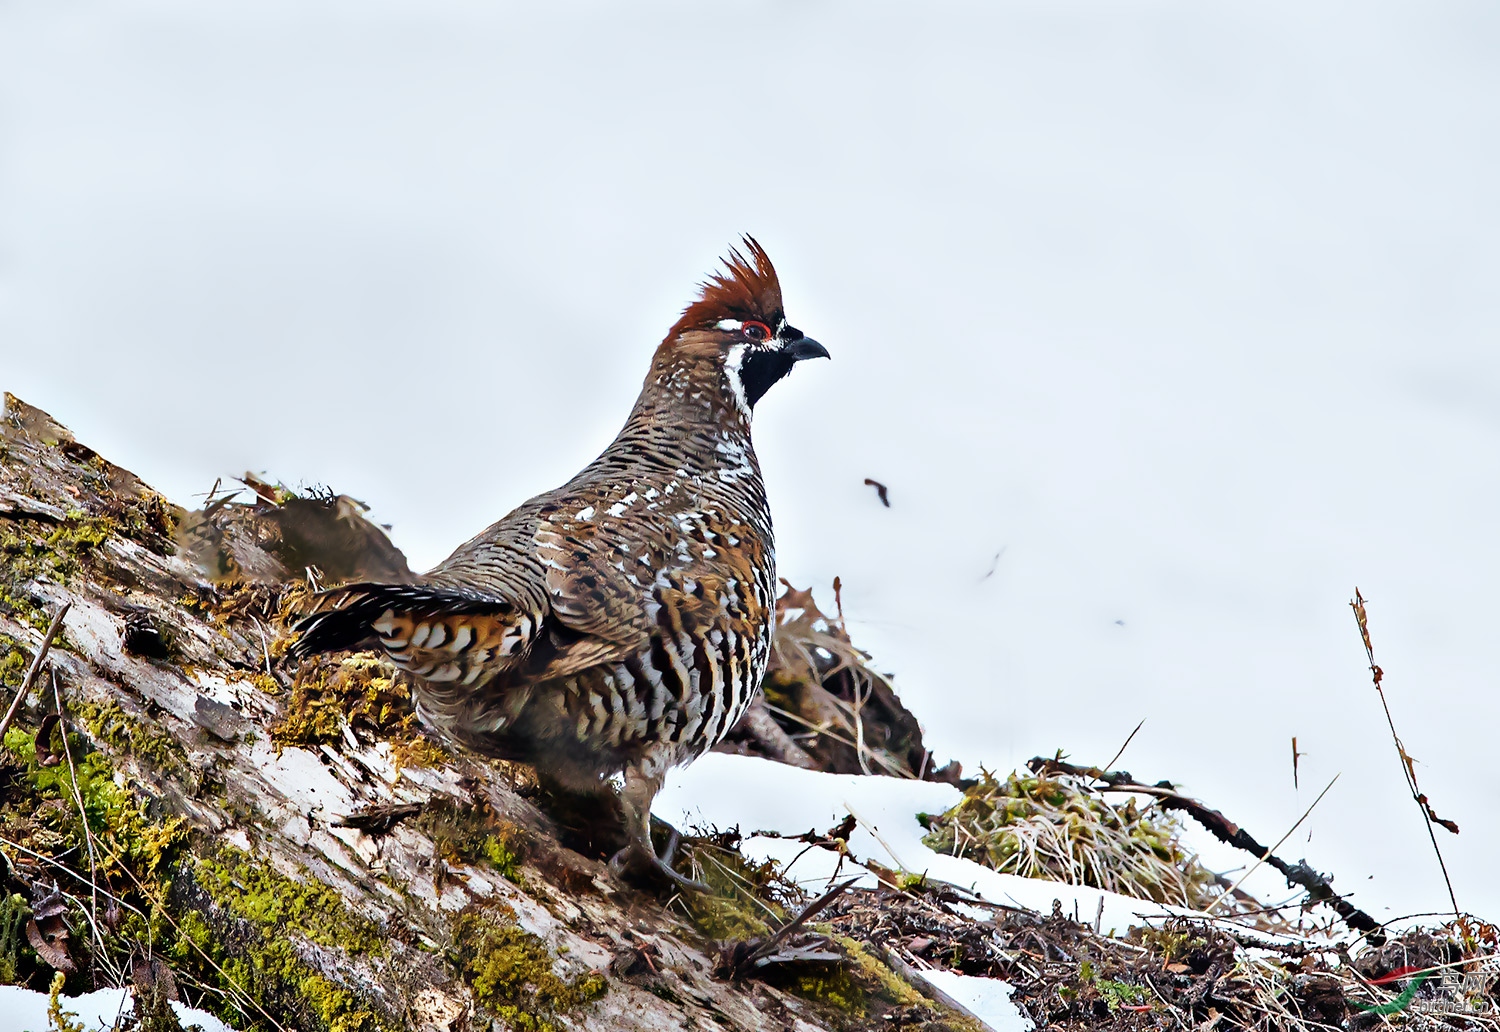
746, 290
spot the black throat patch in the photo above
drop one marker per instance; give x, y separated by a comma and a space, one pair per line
762, 368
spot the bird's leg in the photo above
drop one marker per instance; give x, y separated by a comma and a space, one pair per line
639, 856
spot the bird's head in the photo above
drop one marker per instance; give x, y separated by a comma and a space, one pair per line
738, 331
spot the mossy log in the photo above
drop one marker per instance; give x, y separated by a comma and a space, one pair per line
280, 845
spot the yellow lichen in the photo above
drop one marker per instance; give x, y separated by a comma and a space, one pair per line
268, 914
362, 692
511, 972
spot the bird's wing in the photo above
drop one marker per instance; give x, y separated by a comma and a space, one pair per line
542, 594
570, 580
589, 587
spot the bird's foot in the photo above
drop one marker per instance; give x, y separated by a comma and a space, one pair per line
637, 863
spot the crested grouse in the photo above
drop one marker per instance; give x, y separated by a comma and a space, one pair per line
620, 623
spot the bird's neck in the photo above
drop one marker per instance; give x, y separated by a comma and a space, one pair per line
694, 392
687, 417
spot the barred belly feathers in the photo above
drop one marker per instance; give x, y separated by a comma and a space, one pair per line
621, 623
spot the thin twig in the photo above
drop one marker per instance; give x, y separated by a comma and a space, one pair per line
1121, 752
896, 771
1429, 818
83, 817
1225, 830
857, 708
875, 834
36, 665
766, 948
264, 644
42, 858
1270, 852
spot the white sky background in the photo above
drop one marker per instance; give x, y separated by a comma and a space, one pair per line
1190, 310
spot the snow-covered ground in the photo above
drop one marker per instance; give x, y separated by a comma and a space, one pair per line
716, 793
23, 1010
988, 999
789, 801
1165, 324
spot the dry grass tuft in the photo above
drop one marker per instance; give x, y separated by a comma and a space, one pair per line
1061, 828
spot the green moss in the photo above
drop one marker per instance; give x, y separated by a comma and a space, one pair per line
832, 987
267, 913
13, 663
15, 601
14, 913
59, 1020
879, 979
194, 939
1062, 828
80, 533
124, 836
274, 968
131, 849
55, 557
1171, 943
255, 892
502, 858
109, 723
511, 972
1117, 993
473, 835
1114, 993
746, 902
740, 906
854, 988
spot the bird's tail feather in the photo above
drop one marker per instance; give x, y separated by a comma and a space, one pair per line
340, 618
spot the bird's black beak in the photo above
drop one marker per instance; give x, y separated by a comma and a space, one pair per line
805, 348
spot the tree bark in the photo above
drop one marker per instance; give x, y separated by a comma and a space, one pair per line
285, 841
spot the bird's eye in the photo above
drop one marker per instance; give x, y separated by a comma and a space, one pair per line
756, 330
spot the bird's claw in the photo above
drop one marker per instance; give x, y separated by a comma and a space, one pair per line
635, 861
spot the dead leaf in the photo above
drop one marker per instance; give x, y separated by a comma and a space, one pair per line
48, 933
151, 976
1434, 818
46, 756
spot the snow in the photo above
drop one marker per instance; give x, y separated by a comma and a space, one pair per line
988, 999
25, 1010
1186, 310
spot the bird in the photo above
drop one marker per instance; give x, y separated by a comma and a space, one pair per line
616, 627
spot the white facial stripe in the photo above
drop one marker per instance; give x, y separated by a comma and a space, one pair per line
732, 365
730, 324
